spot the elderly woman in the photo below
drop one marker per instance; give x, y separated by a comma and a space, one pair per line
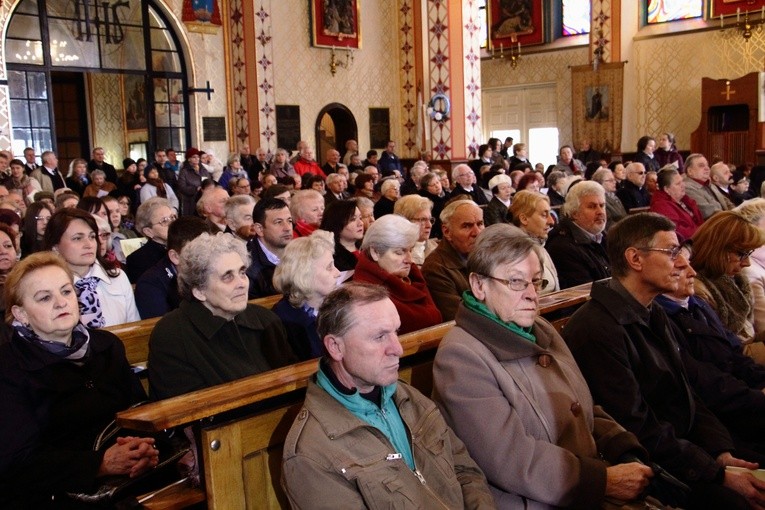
233, 169
8, 258
721, 249
614, 208
431, 187
156, 187
498, 210
343, 220
103, 290
556, 182
510, 388
753, 211
367, 208
386, 259
667, 153
671, 201
305, 275
307, 208
215, 336
190, 179
61, 384
33, 227
100, 186
531, 213
390, 191
418, 210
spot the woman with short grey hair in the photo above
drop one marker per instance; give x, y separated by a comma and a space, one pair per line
386, 259
418, 210
215, 335
305, 276
614, 208
390, 191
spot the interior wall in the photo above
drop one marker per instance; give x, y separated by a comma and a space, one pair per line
302, 76
107, 120
539, 68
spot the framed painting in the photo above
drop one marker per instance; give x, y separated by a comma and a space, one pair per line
718, 8
202, 16
134, 99
597, 104
515, 21
335, 23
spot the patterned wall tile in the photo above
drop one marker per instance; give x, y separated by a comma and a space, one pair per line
107, 107
264, 55
411, 95
439, 65
471, 47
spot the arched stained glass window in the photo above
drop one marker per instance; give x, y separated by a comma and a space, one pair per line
576, 17
662, 11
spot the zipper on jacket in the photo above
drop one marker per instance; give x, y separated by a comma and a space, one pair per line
416, 470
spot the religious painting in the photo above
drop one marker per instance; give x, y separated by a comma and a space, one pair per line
596, 97
724, 8
134, 99
596, 105
202, 16
335, 23
513, 22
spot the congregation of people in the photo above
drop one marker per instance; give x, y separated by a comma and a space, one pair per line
651, 395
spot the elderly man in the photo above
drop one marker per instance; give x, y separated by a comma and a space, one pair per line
699, 187
98, 163
577, 245
633, 192
47, 175
630, 357
445, 269
465, 184
389, 163
306, 164
258, 165
337, 184
722, 178
411, 185
152, 220
363, 438
273, 229
351, 149
239, 221
333, 162
212, 206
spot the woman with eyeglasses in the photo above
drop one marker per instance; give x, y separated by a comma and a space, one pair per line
510, 388
386, 259
419, 210
721, 251
33, 228
103, 290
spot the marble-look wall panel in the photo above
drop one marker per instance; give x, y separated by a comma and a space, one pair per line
107, 112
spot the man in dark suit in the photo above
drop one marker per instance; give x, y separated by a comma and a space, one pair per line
389, 162
273, 228
333, 162
156, 291
98, 163
337, 184
465, 184
30, 164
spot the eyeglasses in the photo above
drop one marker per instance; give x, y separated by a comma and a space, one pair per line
519, 284
44, 219
167, 220
672, 252
104, 236
743, 255
424, 220
638, 173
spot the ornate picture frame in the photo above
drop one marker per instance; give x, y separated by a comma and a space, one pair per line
597, 105
515, 21
728, 8
335, 23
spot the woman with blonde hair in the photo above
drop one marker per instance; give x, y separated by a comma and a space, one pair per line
305, 275
531, 213
418, 210
722, 247
754, 212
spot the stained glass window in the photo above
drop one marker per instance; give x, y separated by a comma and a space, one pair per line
661, 11
576, 17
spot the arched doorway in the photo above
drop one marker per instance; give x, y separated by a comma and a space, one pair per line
335, 125
83, 74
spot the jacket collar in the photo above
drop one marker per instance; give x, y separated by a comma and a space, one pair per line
452, 259
209, 325
619, 303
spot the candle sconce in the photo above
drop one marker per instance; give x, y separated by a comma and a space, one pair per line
335, 62
513, 53
748, 26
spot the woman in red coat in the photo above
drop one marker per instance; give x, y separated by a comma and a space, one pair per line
386, 259
671, 201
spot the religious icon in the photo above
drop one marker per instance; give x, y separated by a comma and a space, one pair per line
201, 15
596, 103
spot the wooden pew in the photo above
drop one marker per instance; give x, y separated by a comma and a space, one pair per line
241, 456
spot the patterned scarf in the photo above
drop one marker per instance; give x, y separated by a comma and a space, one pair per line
78, 348
90, 305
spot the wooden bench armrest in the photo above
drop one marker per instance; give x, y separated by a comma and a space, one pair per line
201, 404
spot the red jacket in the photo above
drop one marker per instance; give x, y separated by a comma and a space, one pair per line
303, 166
685, 223
413, 302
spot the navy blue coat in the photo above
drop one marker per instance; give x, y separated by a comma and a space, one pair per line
301, 330
156, 291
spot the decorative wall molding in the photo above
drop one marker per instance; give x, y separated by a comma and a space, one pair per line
238, 72
439, 66
411, 95
472, 75
264, 54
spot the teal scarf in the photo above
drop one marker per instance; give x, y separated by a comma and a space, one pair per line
472, 304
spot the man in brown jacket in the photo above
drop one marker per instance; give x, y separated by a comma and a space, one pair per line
364, 440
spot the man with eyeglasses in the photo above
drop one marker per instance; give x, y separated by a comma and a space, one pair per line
152, 220
629, 355
465, 184
698, 186
633, 192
